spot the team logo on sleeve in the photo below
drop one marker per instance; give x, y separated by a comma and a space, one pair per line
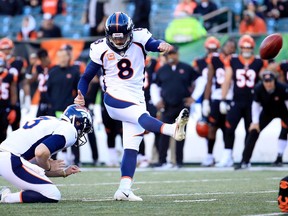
111, 56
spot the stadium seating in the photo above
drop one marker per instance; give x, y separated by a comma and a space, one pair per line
282, 25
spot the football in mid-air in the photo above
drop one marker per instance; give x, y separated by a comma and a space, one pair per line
270, 46
202, 128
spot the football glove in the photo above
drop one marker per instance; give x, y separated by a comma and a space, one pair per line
283, 195
224, 107
206, 108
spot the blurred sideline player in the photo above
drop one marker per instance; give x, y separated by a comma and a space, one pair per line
8, 97
211, 44
38, 139
174, 82
40, 74
90, 98
212, 96
19, 65
121, 55
282, 70
270, 101
243, 72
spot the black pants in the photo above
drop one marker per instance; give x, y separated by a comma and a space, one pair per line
264, 120
169, 116
233, 118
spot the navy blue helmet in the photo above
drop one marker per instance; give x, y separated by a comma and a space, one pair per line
81, 119
118, 29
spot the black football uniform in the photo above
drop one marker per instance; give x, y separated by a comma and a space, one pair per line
273, 106
6, 79
244, 78
42, 77
201, 65
19, 64
284, 128
216, 118
284, 67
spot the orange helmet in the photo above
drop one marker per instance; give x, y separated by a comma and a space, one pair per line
6, 43
212, 43
202, 128
246, 41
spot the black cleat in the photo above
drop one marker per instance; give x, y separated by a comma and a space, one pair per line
278, 162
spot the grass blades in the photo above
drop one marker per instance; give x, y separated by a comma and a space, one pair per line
187, 191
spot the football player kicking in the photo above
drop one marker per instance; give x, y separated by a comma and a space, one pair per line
37, 140
122, 54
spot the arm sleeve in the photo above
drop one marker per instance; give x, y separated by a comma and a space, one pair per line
256, 110
55, 143
152, 45
91, 70
200, 84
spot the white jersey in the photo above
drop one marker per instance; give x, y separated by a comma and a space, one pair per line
123, 74
23, 141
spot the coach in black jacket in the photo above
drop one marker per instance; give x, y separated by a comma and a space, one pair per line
270, 100
174, 82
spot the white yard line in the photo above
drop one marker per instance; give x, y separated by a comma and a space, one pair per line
199, 200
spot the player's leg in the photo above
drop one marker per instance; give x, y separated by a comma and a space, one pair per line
215, 120
233, 118
122, 110
31, 179
112, 129
251, 140
132, 136
281, 145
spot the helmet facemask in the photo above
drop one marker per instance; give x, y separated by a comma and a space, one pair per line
119, 40
81, 119
118, 29
82, 128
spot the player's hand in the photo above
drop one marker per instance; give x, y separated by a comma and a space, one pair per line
160, 105
72, 170
11, 116
57, 165
254, 126
165, 47
206, 108
188, 101
79, 99
224, 107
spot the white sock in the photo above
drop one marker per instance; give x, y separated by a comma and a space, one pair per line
227, 152
125, 183
168, 129
209, 156
12, 198
281, 146
113, 156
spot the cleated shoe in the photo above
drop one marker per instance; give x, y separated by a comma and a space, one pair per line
278, 162
3, 193
181, 122
126, 195
209, 161
242, 166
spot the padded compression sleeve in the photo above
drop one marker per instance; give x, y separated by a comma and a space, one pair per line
152, 45
90, 71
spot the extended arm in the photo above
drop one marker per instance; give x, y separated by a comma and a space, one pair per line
91, 70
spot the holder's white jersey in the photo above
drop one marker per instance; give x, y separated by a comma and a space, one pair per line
23, 141
123, 73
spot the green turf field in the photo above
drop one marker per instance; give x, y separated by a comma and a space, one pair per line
186, 191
